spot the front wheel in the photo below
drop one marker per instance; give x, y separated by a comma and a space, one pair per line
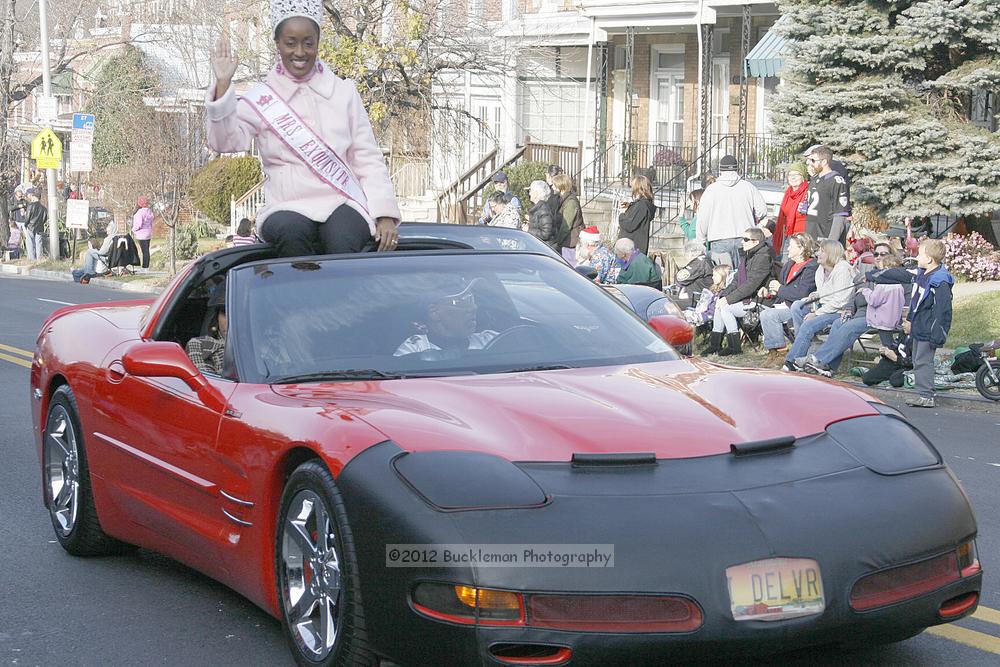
985, 383
318, 583
66, 476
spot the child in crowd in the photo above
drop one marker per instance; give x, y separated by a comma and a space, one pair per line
704, 310
930, 313
244, 234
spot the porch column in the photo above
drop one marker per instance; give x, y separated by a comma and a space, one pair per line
705, 140
742, 140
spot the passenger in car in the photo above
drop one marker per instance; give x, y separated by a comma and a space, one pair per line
451, 325
326, 183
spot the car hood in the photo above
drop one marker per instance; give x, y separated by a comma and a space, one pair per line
676, 409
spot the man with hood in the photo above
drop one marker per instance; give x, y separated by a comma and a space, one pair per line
929, 319
728, 207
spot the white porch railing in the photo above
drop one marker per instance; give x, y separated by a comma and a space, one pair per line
246, 206
410, 175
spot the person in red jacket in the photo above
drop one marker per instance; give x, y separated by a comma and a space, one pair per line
792, 213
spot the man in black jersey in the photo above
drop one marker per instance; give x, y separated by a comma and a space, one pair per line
828, 203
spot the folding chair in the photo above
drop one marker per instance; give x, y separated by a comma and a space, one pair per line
124, 255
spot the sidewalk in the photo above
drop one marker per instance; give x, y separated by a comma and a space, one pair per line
961, 290
947, 400
146, 283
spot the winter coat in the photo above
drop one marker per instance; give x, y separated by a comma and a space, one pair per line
930, 307
753, 273
885, 306
801, 285
696, 274
729, 207
570, 220
34, 218
142, 224
541, 224
333, 109
640, 270
18, 210
790, 220
634, 223
834, 287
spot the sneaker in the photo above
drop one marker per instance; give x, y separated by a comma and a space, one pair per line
790, 366
800, 362
815, 367
921, 402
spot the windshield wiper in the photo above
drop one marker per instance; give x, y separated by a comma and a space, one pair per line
358, 374
529, 369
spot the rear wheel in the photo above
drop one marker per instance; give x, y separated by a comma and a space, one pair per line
318, 583
67, 482
986, 385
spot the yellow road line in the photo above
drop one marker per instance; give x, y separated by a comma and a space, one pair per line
16, 350
988, 615
15, 360
979, 640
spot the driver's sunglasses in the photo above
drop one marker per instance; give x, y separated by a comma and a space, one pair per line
747, 239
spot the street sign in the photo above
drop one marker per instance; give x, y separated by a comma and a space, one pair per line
83, 128
81, 156
83, 121
48, 108
46, 149
77, 213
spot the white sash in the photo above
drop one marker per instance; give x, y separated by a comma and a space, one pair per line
304, 143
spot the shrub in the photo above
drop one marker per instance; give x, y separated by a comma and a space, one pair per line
519, 178
203, 229
187, 242
221, 179
972, 257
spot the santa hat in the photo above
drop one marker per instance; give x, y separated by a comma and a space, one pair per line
590, 234
282, 10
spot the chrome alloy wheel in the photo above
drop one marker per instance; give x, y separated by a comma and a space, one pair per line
311, 577
62, 470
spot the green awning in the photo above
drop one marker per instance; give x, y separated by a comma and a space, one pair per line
767, 57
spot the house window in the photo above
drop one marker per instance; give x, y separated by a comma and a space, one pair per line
552, 111
720, 96
475, 11
487, 129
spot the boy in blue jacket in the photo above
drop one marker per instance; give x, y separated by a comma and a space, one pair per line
929, 318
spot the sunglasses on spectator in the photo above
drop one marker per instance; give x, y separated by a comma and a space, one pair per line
881, 254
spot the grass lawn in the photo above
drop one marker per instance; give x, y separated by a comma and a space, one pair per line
976, 319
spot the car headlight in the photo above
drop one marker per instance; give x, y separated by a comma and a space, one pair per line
456, 480
885, 444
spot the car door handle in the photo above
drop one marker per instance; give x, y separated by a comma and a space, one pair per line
115, 372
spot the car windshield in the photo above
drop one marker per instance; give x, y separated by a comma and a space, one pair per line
430, 314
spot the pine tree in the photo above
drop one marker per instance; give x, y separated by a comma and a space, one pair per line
888, 87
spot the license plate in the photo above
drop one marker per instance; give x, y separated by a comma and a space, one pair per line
774, 589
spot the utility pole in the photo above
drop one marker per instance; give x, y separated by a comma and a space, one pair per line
50, 174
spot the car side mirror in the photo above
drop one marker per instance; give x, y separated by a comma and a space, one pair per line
168, 359
672, 329
587, 271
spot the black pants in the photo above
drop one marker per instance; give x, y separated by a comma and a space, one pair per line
295, 235
885, 369
144, 247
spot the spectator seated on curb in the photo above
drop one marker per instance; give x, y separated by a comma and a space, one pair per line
13, 249
704, 310
879, 308
590, 252
753, 272
893, 361
636, 268
97, 261
797, 280
813, 315
696, 275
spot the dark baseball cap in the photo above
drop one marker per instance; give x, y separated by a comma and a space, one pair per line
500, 177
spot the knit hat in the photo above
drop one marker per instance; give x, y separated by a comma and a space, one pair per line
590, 234
799, 168
282, 10
143, 201
728, 163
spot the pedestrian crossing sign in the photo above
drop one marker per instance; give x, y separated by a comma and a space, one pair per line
46, 149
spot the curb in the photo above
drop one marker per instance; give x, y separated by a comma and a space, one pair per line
898, 397
65, 276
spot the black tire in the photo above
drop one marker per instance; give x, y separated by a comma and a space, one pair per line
83, 536
985, 384
350, 647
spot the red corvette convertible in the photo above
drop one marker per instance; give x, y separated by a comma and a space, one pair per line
366, 445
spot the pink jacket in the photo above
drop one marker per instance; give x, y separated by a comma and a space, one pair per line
885, 306
142, 224
333, 109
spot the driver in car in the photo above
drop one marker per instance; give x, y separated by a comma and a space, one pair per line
207, 352
450, 325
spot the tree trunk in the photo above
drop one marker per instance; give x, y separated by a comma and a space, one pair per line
6, 72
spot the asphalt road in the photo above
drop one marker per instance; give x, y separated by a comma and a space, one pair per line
147, 609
